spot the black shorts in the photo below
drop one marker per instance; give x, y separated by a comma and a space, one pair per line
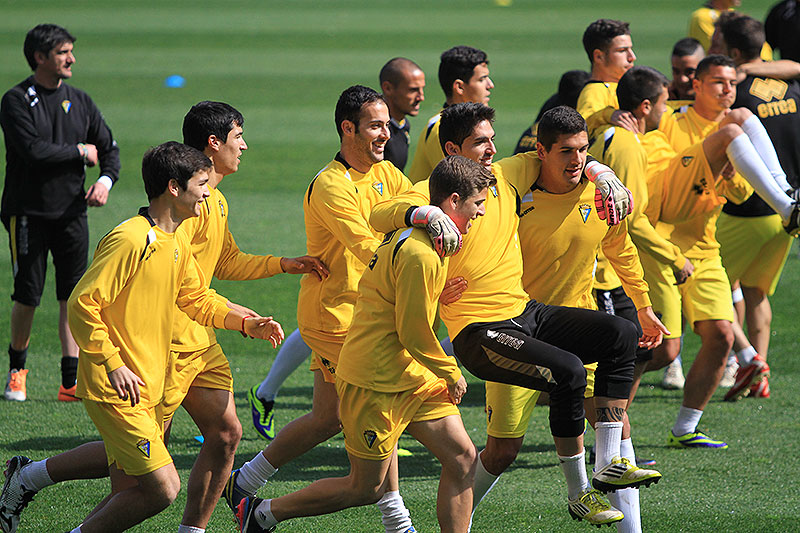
616, 302
30, 240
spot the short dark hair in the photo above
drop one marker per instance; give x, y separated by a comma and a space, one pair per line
569, 89
639, 84
394, 69
458, 121
743, 33
688, 46
351, 102
170, 161
43, 38
561, 120
209, 118
600, 33
714, 60
458, 63
458, 174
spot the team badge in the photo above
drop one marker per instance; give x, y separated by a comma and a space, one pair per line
221, 209
488, 413
66, 105
144, 447
584, 210
686, 160
176, 255
369, 437
378, 187
494, 190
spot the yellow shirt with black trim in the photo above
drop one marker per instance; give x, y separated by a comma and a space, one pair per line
217, 254
121, 311
560, 238
490, 259
391, 345
595, 96
428, 152
336, 208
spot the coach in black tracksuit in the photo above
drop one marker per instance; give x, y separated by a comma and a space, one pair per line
52, 131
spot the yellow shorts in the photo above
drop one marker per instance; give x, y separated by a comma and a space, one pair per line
509, 408
753, 249
207, 368
373, 421
133, 436
325, 348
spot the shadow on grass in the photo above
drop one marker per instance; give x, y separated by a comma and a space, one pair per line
58, 444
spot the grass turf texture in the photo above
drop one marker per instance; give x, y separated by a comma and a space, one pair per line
283, 65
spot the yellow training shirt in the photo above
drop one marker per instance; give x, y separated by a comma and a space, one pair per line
336, 208
595, 96
217, 254
428, 152
391, 345
121, 311
701, 27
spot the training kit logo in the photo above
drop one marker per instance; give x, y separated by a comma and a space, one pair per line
686, 160
176, 255
494, 190
144, 447
378, 186
488, 413
584, 210
221, 209
369, 437
66, 105
506, 340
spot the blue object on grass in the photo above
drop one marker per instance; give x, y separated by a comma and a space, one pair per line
174, 82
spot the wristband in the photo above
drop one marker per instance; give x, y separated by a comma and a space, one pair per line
243, 319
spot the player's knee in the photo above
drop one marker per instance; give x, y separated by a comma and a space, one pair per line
499, 455
738, 115
718, 336
361, 493
463, 462
231, 432
165, 492
326, 424
729, 132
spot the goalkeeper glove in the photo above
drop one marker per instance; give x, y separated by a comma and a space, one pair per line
444, 233
613, 201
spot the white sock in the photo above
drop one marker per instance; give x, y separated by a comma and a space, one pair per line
626, 450
745, 159
35, 476
291, 355
754, 129
254, 474
745, 355
394, 514
447, 346
627, 500
574, 469
190, 529
607, 436
264, 516
687, 421
484, 482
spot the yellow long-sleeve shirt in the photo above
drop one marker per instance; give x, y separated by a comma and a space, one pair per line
596, 96
217, 254
336, 208
701, 27
428, 152
391, 345
560, 237
121, 310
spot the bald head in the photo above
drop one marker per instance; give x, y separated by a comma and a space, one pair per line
402, 84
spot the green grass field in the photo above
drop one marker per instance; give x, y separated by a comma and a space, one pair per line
283, 65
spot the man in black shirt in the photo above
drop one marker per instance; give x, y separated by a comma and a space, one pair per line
52, 131
402, 83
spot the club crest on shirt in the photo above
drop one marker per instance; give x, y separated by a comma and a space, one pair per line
584, 210
176, 255
488, 413
144, 447
369, 437
66, 105
378, 186
221, 209
686, 160
493, 188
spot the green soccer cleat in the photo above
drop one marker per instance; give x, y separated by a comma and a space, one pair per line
694, 439
263, 414
594, 508
620, 473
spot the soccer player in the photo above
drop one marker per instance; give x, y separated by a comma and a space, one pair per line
141, 269
609, 46
52, 132
754, 246
392, 374
403, 88
464, 77
686, 54
500, 334
704, 19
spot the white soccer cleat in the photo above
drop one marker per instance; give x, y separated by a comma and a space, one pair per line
673, 376
14, 497
729, 376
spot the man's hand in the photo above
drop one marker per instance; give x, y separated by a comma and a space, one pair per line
97, 195
88, 153
126, 383
453, 289
728, 172
613, 201
263, 327
444, 233
683, 274
626, 120
652, 328
457, 390
305, 265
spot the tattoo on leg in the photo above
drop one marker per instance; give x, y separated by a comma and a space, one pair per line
610, 414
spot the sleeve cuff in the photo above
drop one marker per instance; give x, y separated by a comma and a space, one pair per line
114, 362
105, 180
641, 300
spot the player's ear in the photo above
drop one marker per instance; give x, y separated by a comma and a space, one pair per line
646, 106
451, 148
597, 56
348, 127
540, 151
173, 187
214, 142
39, 57
386, 87
458, 87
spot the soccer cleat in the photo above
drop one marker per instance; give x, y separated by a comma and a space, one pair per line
620, 473
67, 395
759, 390
792, 226
263, 414
410, 530
15, 497
232, 493
245, 516
649, 461
15, 385
747, 377
593, 507
729, 375
694, 439
673, 376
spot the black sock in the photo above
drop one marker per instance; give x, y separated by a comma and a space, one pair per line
16, 358
69, 371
